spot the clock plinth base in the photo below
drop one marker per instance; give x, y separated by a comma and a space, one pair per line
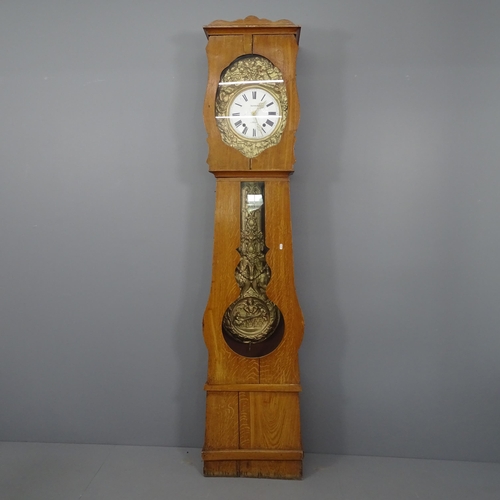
253, 430
266, 469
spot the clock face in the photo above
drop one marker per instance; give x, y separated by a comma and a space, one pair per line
251, 105
254, 113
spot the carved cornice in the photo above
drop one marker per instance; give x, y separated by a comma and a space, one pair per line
251, 21
252, 24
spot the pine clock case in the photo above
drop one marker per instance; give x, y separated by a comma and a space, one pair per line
252, 409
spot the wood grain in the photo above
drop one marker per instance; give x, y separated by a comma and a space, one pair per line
254, 387
274, 420
221, 468
274, 469
282, 365
222, 432
258, 455
246, 424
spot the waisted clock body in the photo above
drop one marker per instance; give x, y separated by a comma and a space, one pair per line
253, 324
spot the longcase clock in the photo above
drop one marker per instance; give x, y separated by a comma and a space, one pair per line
253, 324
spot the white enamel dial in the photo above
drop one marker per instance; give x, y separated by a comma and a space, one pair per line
254, 113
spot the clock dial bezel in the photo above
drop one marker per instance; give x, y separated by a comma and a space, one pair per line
261, 120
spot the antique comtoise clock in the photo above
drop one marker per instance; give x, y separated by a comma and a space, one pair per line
253, 324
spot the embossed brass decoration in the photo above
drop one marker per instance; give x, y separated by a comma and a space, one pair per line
252, 317
254, 73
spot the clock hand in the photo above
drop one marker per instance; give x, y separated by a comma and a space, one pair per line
258, 108
262, 131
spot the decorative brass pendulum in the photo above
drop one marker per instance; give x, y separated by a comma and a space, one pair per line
252, 317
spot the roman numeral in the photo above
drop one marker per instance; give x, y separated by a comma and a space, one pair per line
238, 104
245, 97
254, 133
254, 94
238, 123
270, 113
237, 114
263, 97
245, 130
270, 104
270, 123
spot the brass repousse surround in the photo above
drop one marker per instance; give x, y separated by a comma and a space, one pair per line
250, 70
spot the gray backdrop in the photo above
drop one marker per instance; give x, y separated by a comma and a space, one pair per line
106, 220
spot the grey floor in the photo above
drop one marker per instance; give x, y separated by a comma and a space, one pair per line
100, 472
